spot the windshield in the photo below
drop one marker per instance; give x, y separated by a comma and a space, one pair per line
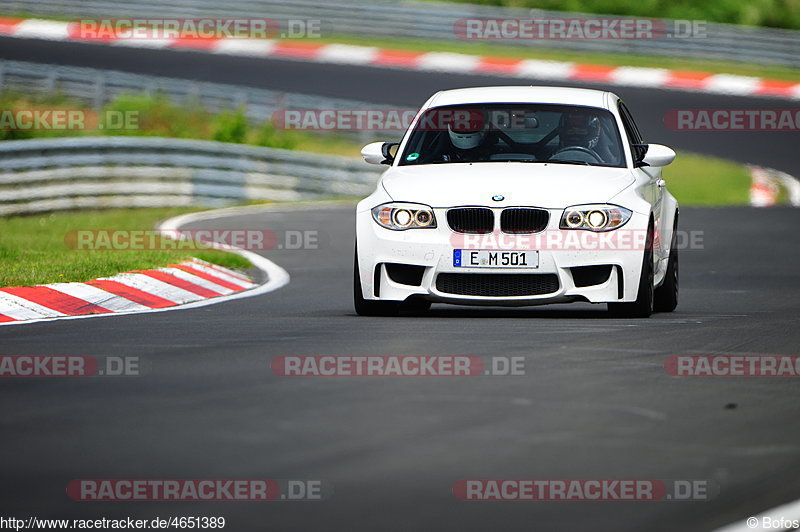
537, 133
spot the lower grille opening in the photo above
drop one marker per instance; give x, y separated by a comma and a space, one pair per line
497, 284
590, 275
405, 273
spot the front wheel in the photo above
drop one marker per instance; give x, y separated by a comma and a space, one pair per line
666, 295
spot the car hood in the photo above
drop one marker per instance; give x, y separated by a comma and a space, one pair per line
541, 185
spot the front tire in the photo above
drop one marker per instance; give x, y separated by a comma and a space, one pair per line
666, 295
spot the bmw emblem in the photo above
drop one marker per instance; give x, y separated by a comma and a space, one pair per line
498, 197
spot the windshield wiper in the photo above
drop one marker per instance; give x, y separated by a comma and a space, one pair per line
569, 161
515, 161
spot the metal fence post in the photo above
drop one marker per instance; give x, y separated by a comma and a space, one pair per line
99, 91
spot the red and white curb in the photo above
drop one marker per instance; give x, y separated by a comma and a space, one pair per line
429, 61
190, 284
766, 186
128, 292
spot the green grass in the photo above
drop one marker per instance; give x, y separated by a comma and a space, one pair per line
699, 180
524, 52
33, 249
158, 116
775, 13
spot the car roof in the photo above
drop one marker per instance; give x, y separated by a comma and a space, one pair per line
523, 94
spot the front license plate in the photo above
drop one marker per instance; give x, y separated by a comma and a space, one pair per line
481, 258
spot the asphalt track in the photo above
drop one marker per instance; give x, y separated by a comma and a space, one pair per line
595, 401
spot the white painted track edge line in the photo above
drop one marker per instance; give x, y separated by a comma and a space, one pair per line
789, 511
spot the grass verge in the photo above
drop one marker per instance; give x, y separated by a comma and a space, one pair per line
33, 249
777, 14
699, 180
158, 116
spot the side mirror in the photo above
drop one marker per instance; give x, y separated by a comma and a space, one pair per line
379, 152
657, 156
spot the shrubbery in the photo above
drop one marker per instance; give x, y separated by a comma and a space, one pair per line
774, 13
158, 116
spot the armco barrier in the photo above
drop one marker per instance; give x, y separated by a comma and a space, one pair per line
102, 172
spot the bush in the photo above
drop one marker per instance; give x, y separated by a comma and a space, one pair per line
230, 127
774, 13
270, 137
10, 101
159, 117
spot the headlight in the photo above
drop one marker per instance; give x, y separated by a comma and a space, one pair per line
402, 216
595, 217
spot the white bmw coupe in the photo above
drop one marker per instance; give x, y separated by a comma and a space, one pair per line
518, 196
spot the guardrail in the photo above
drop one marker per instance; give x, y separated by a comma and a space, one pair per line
106, 172
98, 87
432, 20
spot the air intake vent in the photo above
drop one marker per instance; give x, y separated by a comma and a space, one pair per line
405, 273
590, 275
471, 220
497, 285
519, 221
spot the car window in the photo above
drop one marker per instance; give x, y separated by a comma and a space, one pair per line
632, 132
515, 132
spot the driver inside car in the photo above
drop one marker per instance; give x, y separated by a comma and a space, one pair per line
583, 132
468, 141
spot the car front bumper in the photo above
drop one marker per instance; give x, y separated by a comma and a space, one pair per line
560, 252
